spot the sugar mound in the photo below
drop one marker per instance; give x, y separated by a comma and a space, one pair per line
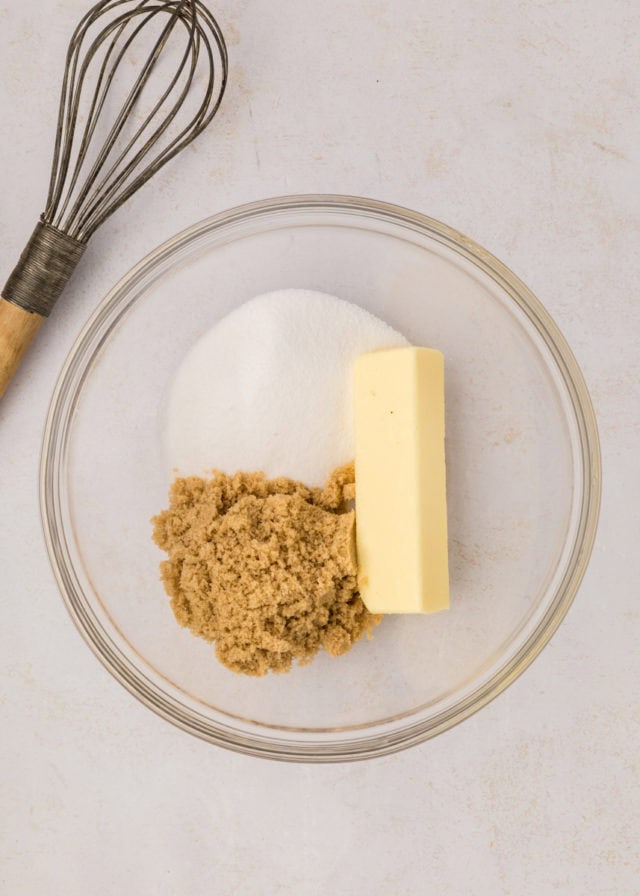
269, 388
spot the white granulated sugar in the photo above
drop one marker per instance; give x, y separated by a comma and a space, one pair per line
269, 388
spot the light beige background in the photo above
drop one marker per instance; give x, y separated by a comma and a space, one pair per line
519, 124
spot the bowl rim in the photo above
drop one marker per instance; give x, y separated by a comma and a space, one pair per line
348, 748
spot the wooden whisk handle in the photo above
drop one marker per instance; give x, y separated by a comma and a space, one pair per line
17, 331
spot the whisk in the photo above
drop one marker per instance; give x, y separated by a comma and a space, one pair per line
105, 148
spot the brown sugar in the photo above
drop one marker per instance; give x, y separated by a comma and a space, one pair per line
265, 568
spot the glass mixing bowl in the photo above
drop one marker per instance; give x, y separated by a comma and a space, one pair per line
522, 458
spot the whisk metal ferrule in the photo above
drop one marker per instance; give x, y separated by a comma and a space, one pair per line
43, 270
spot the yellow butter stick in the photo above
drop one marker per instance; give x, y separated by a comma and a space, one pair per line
401, 505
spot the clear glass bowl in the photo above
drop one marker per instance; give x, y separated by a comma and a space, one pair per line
523, 477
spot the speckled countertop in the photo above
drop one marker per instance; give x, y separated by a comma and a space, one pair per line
518, 123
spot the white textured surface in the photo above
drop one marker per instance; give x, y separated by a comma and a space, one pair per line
518, 123
269, 387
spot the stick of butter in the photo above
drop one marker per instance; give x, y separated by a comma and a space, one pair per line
401, 509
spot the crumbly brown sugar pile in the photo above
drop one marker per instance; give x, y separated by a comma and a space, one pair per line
265, 568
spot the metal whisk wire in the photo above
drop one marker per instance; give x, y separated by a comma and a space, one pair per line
79, 206
92, 175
